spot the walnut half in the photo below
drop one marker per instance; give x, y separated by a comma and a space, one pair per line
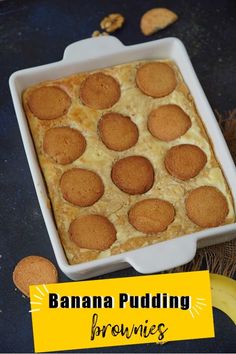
112, 22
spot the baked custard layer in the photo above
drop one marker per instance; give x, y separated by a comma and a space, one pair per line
83, 113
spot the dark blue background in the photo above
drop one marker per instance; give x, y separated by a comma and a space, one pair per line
36, 32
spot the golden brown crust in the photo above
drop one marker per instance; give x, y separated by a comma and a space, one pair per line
133, 174
185, 161
34, 270
81, 187
156, 79
151, 216
49, 102
64, 144
99, 91
156, 19
117, 132
206, 206
168, 122
94, 232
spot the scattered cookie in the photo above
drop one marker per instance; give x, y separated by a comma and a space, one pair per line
117, 132
64, 144
206, 206
99, 91
156, 19
168, 122
185, 161
133, 174
94, 232
156, 79
49, 102
33, 270
112, 22
81, 187
151, 215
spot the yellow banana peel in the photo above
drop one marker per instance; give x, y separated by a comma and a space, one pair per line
223, 291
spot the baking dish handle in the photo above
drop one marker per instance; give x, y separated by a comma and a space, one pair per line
163, 256
91, 48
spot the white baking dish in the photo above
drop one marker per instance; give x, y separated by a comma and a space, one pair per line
94, 53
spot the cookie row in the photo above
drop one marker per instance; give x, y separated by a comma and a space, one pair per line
132, 175
101, 91
117, 132
206, 206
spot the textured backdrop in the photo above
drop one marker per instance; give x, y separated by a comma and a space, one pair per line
36, 32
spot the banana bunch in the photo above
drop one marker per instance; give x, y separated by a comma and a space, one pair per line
223, 290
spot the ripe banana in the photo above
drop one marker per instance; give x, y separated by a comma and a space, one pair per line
223, 290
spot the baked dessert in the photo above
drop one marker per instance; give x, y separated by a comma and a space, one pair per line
126, 159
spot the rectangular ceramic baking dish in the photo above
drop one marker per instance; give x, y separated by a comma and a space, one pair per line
95, 53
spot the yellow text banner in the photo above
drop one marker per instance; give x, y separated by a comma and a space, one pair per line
121, 311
